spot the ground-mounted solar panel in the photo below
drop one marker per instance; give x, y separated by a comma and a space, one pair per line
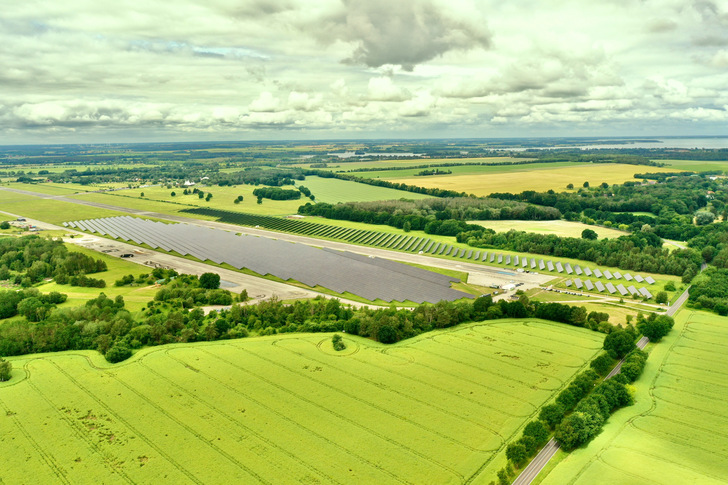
610, 288
597, 273
568, 283
607, 274
524, 262
445, 248
371, 278
500, 258
587, 271
621, 289
550, 265
617, 275
469, 255
516, 261
508, 259
589, 285
533, 263
627, 276
461, 253
638, 278
541, 264
578, 283
559, 267
650, 280
577, 270
634, 291
476, 256
568, 268
484, 257
645, 292
599, 286
492, 257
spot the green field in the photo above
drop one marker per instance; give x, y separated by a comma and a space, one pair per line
49, 210
696, 165
334, 191
677, 432
287, 409
485, 180
558, 228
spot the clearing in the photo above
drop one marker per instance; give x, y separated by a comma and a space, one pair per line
558, 228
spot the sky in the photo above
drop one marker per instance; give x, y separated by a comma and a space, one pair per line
87, 71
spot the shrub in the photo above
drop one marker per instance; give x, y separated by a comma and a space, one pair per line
118, 352
338, 342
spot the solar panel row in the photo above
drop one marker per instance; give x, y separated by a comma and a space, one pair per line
371, 278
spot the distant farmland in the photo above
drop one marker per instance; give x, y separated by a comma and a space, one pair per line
485, 180
677, 432
288, 409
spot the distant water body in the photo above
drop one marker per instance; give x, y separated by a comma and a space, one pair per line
657, 142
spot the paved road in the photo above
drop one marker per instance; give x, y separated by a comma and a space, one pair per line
479, 274
679, 302
549, 450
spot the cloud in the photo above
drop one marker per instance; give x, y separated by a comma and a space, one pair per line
404, 34
383, 89
265, 103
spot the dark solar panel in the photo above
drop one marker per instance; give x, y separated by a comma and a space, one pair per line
371, 278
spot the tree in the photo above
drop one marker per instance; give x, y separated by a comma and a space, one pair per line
4, 225
338, 342
670, 286
387, 334
142, 194
604, 185
173, 194
572, 432
260, 199
589, 234
538, 431
516, 452
586, 185
661, 297
619, 343
602, 364
407, 227
118, 352
210, 281
655, 327
570, 186
6, 369
703, 218
552, 414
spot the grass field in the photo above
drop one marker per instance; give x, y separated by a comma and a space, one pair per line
62, 189
334, 191
481, 180
677, 432
696, 165
558, 228
49, 210
287, 409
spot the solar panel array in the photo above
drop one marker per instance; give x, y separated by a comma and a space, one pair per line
371, 278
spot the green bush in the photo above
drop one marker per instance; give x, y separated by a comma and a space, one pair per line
118, 352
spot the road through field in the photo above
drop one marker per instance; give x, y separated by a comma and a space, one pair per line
549, 450
478, 274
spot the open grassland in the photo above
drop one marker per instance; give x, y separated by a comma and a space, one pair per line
677, 432
49, 210
557, 228
461, 170
287, 409
63, 189
696, 165
517, 178
335, 190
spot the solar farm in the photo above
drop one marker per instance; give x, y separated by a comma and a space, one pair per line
342, 272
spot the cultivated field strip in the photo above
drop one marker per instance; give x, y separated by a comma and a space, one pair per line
283, 409
683, 436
